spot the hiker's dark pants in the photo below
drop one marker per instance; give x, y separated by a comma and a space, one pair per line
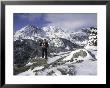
44, 52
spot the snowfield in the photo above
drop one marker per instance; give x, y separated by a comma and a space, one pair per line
86, 68
65, 66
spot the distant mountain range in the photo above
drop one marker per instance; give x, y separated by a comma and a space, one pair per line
50, 33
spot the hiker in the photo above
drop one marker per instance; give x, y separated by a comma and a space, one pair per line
44, 45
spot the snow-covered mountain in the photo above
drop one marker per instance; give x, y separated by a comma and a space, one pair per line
29, 32
50, 32
79, 38
56, 32
56, 36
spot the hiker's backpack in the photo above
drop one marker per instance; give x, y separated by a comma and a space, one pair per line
40, 43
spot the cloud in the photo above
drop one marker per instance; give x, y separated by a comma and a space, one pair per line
30, 16
67, 21
72, 21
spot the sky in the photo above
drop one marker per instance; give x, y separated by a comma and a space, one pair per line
67, 21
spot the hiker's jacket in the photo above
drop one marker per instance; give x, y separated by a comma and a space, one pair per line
44, 44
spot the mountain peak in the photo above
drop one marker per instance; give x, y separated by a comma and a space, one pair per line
54, 29
28, 32
29, 27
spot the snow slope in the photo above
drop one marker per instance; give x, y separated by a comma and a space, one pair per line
66, 67
88, 56
87, 67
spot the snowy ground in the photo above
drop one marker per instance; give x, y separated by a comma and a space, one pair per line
30, 72
68, 65
86, 68
49, 61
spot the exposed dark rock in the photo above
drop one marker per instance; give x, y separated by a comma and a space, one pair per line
24, 50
